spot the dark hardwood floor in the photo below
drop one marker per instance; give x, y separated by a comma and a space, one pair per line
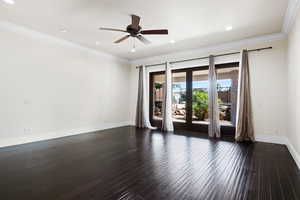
136, 164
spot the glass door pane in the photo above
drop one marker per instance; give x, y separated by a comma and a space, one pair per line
227, 86
190, 97
200, 97
179, 96
158, 95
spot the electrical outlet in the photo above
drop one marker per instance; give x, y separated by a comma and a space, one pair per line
26, 102
27, 130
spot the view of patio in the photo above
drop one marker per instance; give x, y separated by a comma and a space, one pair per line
227, 94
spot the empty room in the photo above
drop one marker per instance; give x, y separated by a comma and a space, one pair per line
149, 100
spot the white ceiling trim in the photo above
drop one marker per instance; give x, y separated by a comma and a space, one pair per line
35, 34
290, 15
213, 48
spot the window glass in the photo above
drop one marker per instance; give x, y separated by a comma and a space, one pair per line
227, 85
158, 95
179, 96
200, 96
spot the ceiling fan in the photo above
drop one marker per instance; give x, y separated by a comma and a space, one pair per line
135, 30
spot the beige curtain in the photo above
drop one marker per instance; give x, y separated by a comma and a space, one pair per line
214, 121
244, 126
139, 120
142, 110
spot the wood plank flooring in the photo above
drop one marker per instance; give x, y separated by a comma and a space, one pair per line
135, 164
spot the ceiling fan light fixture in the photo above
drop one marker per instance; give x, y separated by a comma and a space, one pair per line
133, 50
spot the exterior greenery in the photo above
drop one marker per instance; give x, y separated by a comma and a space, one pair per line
158, 86
200, 104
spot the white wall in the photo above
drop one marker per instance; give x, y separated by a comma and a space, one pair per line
268, 78
294, 89
52, 88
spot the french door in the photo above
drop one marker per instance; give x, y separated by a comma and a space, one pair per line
190, 97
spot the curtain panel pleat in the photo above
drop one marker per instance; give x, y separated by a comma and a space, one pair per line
167, 122
142, 110
213, 108
244, 126
139, 121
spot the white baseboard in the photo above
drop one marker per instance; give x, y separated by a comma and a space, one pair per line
271, 139
281, 140
293, 152
58, 134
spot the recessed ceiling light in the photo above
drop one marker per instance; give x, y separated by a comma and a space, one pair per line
228, 28
9, 1
97, 43
63, 30
133, 50
172, 41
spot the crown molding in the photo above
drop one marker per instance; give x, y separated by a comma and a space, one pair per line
290, 15
39, 35
213, 48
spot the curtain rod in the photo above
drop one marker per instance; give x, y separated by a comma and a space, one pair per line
206, 57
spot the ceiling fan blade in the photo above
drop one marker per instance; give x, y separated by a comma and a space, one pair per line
122, 39
143, 39
112, 29
135, 21
159, 32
